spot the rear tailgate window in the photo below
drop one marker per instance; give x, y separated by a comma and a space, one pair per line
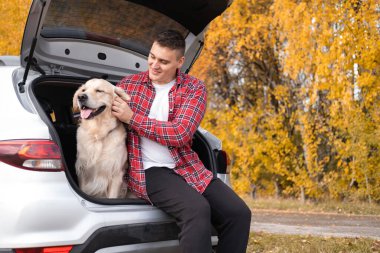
120, 23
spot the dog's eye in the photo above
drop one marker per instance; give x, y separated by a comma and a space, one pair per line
83, 90
100, 91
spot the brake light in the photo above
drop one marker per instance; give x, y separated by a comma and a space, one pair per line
62, 249
39, 155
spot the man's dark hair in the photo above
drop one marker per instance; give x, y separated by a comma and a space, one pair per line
171, 39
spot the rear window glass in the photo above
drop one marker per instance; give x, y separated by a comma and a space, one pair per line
115, 22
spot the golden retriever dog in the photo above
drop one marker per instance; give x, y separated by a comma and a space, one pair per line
101, 151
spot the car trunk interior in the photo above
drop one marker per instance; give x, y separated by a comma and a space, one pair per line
54, 98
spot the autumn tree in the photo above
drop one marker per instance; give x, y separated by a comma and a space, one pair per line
13, 16
295, 96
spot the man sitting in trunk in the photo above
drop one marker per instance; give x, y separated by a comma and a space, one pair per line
165, 110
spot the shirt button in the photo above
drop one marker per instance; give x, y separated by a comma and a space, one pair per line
171, 147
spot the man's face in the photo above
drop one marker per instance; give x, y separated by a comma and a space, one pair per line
163, 63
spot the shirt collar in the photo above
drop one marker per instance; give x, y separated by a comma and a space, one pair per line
179, 78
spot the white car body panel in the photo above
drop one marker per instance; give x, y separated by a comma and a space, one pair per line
16, 122
32, 212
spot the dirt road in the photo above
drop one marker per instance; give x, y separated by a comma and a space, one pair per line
338, 225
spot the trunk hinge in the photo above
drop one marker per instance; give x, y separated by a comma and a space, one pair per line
30, 57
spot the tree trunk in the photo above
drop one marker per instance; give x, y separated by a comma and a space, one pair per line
253, 191
367, 189
302, 197
277, 189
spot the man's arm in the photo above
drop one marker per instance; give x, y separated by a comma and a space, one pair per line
176, 132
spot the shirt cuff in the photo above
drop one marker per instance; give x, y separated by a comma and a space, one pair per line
136, 121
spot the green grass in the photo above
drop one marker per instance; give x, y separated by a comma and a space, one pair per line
359, 208
275, 243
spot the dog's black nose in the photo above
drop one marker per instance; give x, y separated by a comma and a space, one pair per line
82, 98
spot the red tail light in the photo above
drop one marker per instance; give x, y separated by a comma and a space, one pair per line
39, 155
62, 249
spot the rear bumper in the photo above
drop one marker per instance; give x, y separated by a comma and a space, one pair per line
137, 238
7, 251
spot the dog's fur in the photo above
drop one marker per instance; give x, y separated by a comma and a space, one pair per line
101, 151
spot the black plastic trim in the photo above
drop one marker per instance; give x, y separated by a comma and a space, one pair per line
127, 235
212, 166
7, 251
221, 161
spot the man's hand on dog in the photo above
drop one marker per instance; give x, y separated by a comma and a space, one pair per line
121, 110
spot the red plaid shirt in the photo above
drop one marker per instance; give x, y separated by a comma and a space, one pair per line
187, 105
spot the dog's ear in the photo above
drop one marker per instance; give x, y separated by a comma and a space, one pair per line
75, 100
121, 93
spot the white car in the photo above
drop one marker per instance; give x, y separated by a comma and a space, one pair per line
65, 43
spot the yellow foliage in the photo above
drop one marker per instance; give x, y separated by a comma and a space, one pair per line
295, 95
13, 16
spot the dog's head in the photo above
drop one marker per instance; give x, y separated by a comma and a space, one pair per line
95, 97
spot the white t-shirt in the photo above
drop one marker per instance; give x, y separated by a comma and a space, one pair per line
153, 153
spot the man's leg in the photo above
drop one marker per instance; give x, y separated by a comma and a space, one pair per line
170, 192
230, 216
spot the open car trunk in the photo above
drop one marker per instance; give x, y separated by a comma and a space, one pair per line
53, 99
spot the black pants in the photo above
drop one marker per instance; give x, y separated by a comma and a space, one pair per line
195, 212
